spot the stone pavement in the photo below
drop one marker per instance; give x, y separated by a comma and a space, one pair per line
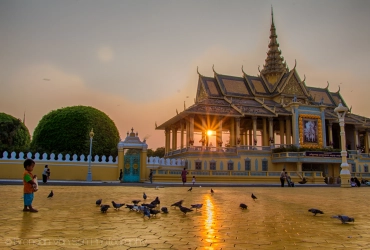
278, 219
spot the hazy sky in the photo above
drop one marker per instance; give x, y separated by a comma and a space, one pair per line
136, 60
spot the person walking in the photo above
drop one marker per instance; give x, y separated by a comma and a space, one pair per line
120, 175
183, 176
151, 176
282, 177
193, 180
45, 174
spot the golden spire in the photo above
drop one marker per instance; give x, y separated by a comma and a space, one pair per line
274, 64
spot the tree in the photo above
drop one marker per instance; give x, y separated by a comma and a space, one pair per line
66, 130
159, 152
14, 135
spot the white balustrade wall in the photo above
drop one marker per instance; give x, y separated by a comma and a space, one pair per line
60, 157
155, 162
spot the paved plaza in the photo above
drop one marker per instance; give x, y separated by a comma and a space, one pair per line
278, 219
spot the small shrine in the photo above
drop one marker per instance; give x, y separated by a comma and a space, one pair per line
132, 158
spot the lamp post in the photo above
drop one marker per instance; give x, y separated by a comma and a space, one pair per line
89, 175
345, 175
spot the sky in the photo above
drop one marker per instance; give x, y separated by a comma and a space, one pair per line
137, 60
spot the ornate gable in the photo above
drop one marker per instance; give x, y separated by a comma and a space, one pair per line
201, 92
293, 87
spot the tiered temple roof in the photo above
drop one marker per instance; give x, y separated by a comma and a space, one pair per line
266, 95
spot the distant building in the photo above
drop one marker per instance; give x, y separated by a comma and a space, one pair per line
245, 118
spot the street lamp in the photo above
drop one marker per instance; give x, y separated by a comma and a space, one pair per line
89, 175
344, 172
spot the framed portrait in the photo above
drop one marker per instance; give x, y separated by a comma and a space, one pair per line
310, 133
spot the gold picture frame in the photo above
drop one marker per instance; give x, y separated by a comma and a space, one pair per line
310, 131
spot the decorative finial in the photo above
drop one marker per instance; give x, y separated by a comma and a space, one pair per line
304, 78
155, 123
327, 87
350, 109
295, 63
132, 130
184, 105
177, 112
338, 89
272, 15
259, 69
198, 71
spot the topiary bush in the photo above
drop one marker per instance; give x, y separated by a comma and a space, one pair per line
14, 135
66, 130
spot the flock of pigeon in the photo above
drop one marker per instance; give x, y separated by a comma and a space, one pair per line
148, 209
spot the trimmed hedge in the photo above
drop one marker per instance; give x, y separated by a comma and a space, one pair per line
66, 130
14, 135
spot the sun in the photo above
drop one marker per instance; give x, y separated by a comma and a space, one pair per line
209, 132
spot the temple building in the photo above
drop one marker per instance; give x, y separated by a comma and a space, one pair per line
251, 127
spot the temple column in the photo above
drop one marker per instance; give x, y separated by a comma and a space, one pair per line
219, 133
204, 130
357, 142
174, 138
271, 131
187, 133
330, 129
264, 134
191, 129
367, 141
299, 166
232, 132
245, 136
167, 143
281, 125
288, 131
250, 137
237, 136
182, 135
254, 120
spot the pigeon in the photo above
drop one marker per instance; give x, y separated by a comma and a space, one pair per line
146, 212
164, 210
136, 202
131, 207
156, 201
117, 205
51, 194
177, 204
303, 181
343, 218
98, 202
185, 209
243, 206
190, 189
144, 196
148, 205
197, 206
154, 212
253, 197
104, 208
212, 192
315, 211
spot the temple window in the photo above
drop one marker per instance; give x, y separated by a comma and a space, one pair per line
247, 164
230, 165
353, 170
366, 168
198, 165
212, 165
265, 165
